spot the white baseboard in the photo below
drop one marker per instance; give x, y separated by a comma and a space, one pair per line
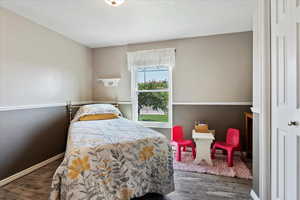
253, 195
29, 170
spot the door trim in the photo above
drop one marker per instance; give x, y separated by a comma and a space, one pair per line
264, 61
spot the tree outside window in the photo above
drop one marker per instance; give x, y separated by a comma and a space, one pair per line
153, 94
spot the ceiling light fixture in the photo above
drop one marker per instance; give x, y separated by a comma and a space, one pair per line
114, 3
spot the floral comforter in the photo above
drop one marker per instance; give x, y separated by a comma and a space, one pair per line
113, 160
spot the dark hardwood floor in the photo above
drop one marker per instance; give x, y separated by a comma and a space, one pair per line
189, 186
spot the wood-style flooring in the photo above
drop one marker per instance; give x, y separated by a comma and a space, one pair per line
189, 186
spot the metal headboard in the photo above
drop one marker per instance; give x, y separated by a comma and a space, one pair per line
71, 107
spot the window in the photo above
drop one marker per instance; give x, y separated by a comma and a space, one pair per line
152, 96
151, 86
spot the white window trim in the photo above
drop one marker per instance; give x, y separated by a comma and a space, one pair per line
135, 101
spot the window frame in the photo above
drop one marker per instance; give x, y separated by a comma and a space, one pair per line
134, 97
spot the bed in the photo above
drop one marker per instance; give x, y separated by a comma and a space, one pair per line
112, 159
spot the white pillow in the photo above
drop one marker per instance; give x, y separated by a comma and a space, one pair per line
93, 109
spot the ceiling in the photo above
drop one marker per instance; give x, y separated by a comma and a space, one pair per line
96, 24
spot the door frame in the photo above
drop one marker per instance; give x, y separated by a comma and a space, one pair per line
264, 61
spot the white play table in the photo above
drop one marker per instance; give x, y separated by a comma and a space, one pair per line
203, 143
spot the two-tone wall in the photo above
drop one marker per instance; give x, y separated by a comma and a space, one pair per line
212, 69
41, 67
38, 67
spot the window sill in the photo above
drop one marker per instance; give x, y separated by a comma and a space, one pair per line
155, 124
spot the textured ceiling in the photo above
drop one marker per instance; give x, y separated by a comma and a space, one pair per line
96, 24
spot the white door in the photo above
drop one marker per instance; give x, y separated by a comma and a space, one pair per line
285, 30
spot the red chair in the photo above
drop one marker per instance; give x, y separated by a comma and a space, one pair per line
231, 145
179, 141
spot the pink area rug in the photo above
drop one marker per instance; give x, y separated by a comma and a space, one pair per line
219, 167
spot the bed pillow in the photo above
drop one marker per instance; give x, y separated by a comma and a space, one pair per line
98, 117
95, 109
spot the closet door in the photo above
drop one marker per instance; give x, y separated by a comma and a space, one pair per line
285, 34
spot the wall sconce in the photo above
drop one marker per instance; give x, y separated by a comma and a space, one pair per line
110, 82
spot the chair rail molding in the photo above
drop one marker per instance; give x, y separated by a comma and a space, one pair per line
34, 106
247, 103
214, 103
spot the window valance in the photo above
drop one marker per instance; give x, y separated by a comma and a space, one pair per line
151, 58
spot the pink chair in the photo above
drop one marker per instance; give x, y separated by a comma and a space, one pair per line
179, 141
231, 145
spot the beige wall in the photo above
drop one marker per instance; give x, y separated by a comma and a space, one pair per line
39, 66
208, 69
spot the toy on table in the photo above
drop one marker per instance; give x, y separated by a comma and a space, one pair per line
201, 127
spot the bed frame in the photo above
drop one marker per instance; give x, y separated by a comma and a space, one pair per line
71, 107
